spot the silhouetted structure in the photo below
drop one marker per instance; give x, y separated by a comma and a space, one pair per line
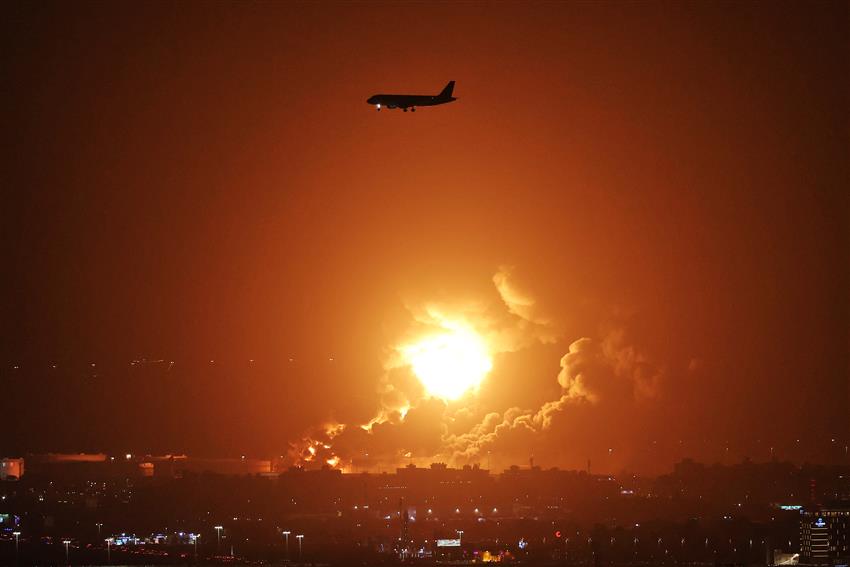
825, 535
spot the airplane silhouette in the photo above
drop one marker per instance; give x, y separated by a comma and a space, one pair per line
412, 101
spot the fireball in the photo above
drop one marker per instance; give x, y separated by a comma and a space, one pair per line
450, 363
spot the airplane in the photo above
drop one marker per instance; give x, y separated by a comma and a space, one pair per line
412, 101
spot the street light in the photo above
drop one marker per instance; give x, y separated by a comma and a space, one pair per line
99, 525
195, 541
17, 535
218, 534
109, 541
67, 543
299, 537
286, 535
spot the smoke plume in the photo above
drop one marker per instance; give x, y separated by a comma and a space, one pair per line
597, 377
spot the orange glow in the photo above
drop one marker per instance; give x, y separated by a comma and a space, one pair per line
450, 363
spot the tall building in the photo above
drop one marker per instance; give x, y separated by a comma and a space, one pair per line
824, 534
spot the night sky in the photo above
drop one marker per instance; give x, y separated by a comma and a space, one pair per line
195, 182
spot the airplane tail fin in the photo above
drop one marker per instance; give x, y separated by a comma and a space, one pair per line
447, 92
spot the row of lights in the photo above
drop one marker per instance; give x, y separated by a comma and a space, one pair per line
109, 541
300, 537
65, 542
170, 363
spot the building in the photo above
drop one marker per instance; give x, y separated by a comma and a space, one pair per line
11, 469
824, 535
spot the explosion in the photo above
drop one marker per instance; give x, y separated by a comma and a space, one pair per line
445, 355
450, 363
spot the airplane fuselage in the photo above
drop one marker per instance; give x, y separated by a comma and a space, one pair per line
406, 102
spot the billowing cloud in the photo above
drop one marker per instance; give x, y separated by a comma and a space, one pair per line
521, 303
518, 301
611, 368
579, 374
604, 376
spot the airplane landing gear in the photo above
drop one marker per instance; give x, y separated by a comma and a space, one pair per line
413, 109
404, 109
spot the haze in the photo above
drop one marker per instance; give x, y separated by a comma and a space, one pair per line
642, 208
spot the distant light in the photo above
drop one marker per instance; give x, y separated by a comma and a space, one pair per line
128, 456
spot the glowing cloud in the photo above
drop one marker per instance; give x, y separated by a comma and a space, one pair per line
445, 351
450, 363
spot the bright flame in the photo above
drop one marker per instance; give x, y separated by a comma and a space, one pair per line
450, 363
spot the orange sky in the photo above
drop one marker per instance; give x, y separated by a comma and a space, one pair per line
205, 181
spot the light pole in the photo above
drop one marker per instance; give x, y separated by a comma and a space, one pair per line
109, 550
195, 541
99, 525
218, 535
17, 535
286, 535
300, 538
67, 543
